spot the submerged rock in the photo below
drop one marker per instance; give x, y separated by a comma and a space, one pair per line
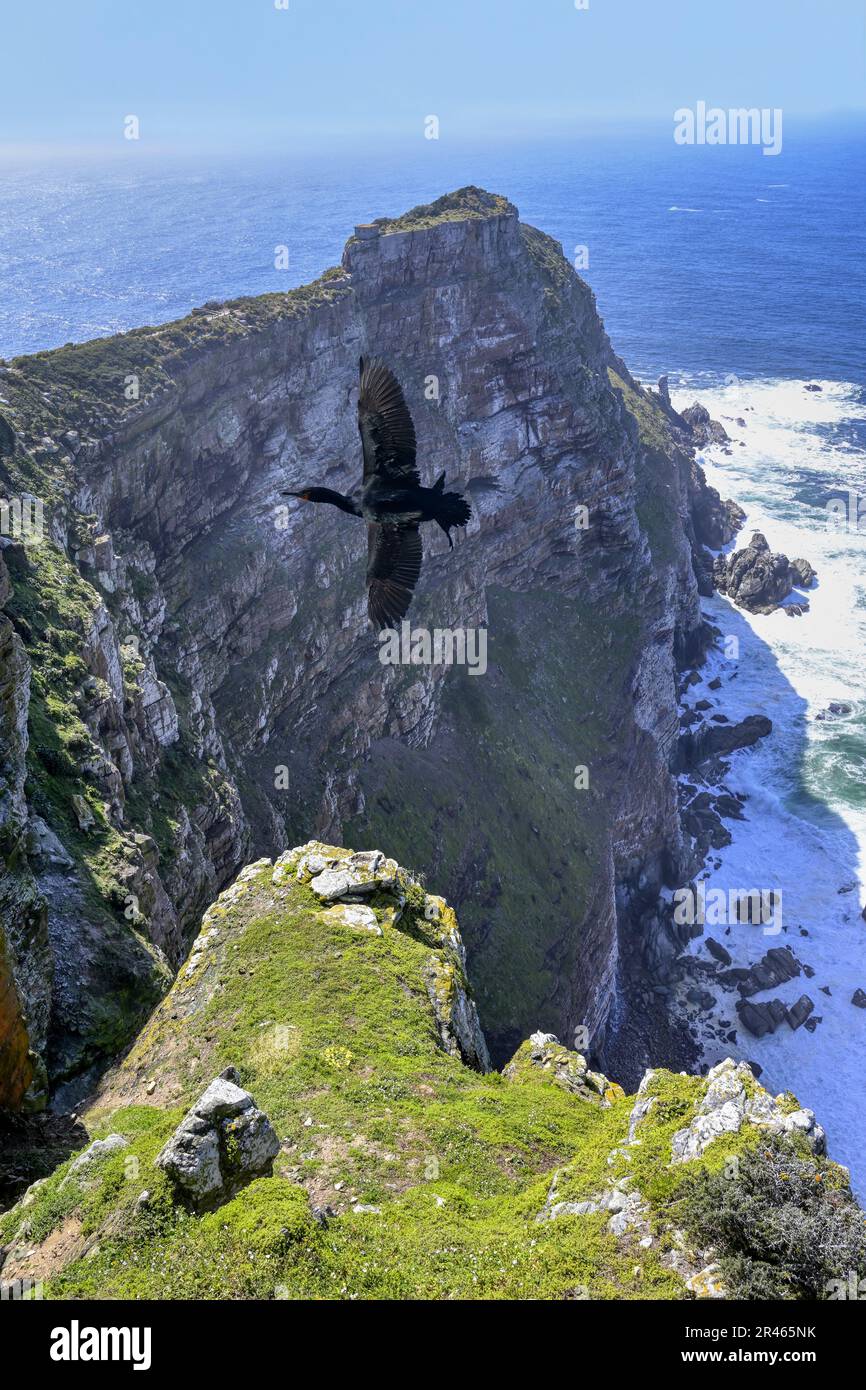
717, 740
777, 967
718, 951
760, 1019
799, 1012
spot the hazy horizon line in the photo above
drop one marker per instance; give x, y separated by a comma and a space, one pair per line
301, 140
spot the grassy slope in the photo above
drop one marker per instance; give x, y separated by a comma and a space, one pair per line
83, 384
333, 1033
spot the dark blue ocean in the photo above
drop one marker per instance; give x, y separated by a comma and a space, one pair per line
741, 275
720, 260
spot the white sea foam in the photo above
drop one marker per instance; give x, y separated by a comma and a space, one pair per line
806, 814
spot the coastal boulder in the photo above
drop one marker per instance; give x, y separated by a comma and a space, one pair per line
718, 740
777, 967
803, 574
759, 579
704, 430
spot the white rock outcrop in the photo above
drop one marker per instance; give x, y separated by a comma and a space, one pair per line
734, 1098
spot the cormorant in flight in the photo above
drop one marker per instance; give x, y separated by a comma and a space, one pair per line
391, 499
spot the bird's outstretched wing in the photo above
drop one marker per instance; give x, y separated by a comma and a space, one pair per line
393, 565
385, 425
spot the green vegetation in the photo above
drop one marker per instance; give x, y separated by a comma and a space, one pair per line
656, 473
85, 385
786, 1228
433, 1175
548, 257
464, 204
648, 414
54, 608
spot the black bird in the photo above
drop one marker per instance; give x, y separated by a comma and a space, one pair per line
391, 499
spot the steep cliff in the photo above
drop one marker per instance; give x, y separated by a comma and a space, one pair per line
203, 686
373, 1155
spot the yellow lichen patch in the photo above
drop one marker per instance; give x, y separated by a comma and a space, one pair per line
340, 1058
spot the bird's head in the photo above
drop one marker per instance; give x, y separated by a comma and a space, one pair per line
324, 494
308, 494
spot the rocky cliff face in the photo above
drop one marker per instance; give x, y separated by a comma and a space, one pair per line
203, 686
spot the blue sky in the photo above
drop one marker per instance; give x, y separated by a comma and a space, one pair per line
207, 73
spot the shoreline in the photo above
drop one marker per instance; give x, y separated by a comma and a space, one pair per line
786, 834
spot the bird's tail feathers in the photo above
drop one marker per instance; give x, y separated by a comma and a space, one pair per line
452, 509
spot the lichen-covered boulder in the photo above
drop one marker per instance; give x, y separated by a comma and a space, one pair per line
734, 1098
222, 1143
345, 879
544, 1053
93, 1156
334, 873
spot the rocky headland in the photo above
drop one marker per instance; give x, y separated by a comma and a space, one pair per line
187, 680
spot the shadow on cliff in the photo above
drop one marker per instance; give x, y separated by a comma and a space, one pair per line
32, 1146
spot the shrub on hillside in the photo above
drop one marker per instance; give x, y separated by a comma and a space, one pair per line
785, 1226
